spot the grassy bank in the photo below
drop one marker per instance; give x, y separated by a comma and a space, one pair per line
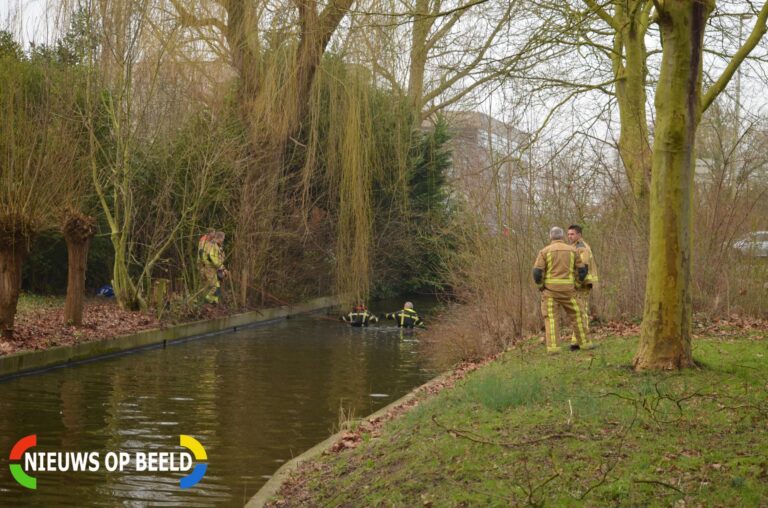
571, 430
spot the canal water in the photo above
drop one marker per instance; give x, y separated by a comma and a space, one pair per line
253, 399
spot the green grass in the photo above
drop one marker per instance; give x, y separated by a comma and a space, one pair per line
500, 392
29, 303
572, 430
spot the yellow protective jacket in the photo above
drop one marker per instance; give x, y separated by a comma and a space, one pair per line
213, 255
585, 251
360, 318
406, 318
559, 267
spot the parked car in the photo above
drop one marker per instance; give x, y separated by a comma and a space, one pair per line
754, 244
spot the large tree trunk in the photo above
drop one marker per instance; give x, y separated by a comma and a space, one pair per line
422, 24
13, 250
78, 231
665, 340
630, 72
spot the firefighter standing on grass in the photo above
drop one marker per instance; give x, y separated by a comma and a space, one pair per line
557, 271
211, 260
583, 291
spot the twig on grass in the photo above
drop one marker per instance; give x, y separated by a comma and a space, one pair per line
657, 482
468, 434
608, 469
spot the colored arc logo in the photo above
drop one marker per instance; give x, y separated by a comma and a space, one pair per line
17, 452
199, 452
30, 482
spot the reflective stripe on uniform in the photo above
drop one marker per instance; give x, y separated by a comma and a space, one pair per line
582, 336
552, 323
559, 281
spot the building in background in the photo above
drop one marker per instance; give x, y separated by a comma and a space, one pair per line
490, 165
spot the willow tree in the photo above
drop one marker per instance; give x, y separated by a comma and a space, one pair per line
37, 153
78, 230
492, 35
275, 49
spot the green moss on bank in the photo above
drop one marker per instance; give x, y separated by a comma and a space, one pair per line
572, 430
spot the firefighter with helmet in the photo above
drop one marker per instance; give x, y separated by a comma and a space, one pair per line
211, 261
359, 316
556, 272
406, 318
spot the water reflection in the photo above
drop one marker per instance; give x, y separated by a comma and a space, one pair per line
254, 399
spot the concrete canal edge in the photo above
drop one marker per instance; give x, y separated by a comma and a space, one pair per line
272, 487
30, 362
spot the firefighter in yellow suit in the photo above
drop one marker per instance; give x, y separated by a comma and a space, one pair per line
583, 291
557, 271
211, 258
406, 318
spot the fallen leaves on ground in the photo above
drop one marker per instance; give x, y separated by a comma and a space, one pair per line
40, 325
44, 327
734, 325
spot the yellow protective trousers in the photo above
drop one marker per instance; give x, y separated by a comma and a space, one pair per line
582, 297
212, 284
550, 300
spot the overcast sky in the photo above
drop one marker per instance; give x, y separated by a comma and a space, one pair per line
26, 19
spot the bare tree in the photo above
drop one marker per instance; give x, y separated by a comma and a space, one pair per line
133, 106
665, 340
616, 45
37, 158
78, 230
275, 48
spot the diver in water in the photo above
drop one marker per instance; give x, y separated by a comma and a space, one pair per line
406, 318
359, 316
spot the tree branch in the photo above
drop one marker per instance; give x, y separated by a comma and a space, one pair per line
331, 17
445, 85
443, 30
754, 38
602, 14
188, 19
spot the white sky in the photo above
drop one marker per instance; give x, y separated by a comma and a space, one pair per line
26, 19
